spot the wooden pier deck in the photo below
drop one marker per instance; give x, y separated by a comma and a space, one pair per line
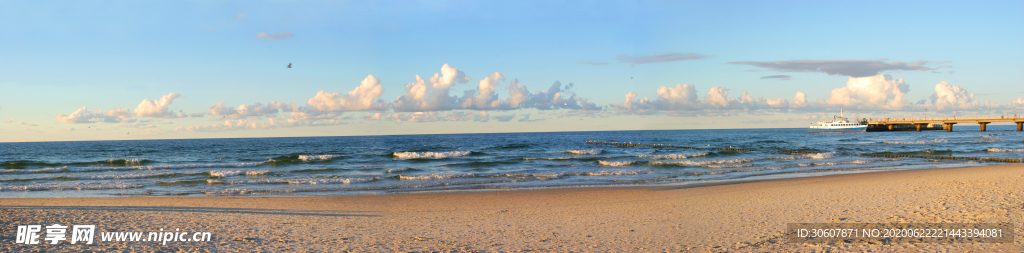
947, 122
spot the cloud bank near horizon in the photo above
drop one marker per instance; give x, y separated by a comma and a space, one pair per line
433, 99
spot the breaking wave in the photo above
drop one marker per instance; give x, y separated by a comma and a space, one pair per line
306, 158
430, 155
916, 142
996, 150
585, 151
614, 163
673, 156
702, 163
821, 155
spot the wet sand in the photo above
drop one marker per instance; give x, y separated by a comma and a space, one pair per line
736, 217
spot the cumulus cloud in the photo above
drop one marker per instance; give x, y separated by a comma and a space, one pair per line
158, 108
670, 57
431, 94
254, 110
1019, 103
852, 68
9, 120
780, 77
483, 97
83, 115
434, 95
873, 92
950, 97
683, 99
282, 35
364, 97
27, 124
553, 98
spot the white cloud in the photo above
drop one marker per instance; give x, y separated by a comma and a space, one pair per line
800, 100
556, 98
483, 97
682, 99
873, 92
431, 95
255, 110
27, 124
83, 115
1018, 104
9, 120
364, 97
949, 96
158, 108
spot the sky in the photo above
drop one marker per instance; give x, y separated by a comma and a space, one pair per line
123, 70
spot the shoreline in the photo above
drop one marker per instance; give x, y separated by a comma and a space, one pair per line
747, 215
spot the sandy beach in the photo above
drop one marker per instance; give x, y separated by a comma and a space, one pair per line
736, 217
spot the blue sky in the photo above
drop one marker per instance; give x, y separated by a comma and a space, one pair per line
58, 57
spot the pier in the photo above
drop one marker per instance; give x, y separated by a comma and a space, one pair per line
893, 124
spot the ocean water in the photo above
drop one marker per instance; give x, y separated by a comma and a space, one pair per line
454, 162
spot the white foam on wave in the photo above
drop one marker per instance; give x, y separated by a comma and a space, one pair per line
997, 150
704, 162
425, 177
859, 162
329, 180
257, 173
585, 151
615, 163
605, 173
821, 155
68, 186
225, 173
727, 166
673, 156
307, 158
434, 155
816, 164
916, 142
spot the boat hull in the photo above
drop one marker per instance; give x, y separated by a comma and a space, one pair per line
838, 130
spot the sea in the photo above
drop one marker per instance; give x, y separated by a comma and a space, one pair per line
395, 164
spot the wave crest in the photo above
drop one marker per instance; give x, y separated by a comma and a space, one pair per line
434, 155
916, 142
997, 150
585, 151
615, 163
306, 158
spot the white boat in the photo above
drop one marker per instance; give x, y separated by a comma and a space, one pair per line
838, 124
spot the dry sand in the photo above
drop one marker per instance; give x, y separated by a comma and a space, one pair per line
739, 217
